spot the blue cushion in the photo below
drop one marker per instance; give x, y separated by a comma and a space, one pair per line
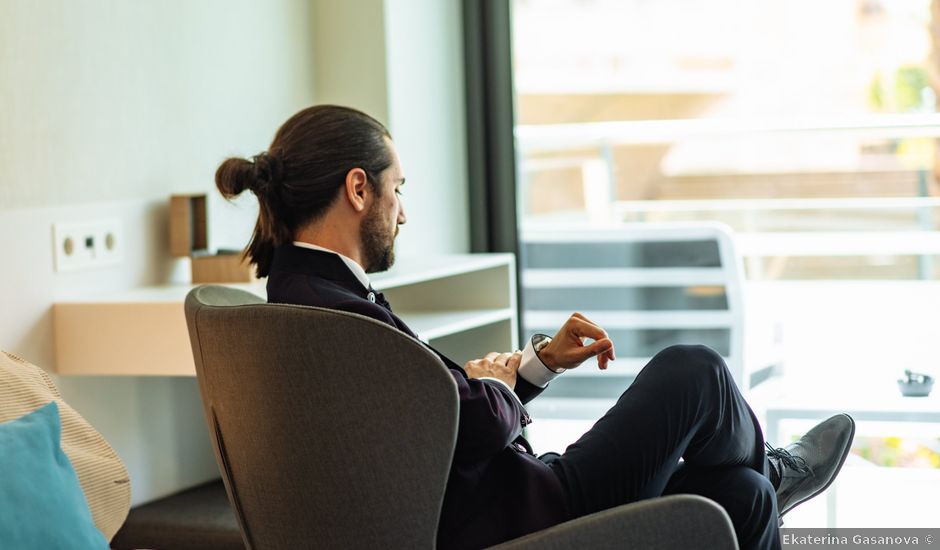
41, 502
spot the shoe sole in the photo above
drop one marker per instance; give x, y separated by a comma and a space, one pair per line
835, 473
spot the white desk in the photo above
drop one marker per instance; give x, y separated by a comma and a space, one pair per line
863, 402
465, 305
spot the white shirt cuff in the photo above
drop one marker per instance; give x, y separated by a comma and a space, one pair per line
505, 385
533, 370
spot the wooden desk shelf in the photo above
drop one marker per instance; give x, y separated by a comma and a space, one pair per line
464, 305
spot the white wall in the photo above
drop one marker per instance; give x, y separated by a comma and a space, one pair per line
426, 116
411, 80
108, 99
349, 45
107, 108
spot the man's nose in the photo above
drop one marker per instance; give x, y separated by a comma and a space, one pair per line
401, 215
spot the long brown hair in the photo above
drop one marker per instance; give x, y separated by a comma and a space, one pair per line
301, 173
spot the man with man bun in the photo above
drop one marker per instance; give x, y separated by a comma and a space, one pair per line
329, 191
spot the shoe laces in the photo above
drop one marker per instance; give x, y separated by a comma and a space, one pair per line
793, 462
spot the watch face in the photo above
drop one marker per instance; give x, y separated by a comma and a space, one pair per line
539, 341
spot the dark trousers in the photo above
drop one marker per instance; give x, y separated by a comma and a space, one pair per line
683, 404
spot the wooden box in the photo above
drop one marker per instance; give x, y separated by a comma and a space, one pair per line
188, 224
224, 267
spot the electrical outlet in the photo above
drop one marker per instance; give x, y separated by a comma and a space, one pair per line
87, 245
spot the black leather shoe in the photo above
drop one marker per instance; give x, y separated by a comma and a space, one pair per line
807, 467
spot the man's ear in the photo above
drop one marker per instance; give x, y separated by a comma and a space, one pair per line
357, 184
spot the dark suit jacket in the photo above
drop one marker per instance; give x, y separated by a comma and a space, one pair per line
497, 490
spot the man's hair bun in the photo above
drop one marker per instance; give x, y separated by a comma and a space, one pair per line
260, 175
234, 176
268, 171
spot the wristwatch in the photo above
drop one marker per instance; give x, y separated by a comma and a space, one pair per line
539, 341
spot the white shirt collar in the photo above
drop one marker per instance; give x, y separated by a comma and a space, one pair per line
350, 263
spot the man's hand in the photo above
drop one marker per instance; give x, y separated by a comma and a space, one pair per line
502, 366
567, 349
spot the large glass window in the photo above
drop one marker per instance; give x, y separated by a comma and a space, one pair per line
806, 128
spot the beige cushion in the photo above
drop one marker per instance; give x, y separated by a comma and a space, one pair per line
24, 388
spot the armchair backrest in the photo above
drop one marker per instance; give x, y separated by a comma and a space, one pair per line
332, 430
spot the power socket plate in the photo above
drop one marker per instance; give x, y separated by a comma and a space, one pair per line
87, 245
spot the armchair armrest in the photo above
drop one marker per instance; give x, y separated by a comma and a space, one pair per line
667, 523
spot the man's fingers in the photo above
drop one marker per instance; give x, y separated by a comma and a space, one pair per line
569, 349
491, 355
502, 358
585, 329
604, 346
577, 355
577, 315
514, 360
605, 356
599, 347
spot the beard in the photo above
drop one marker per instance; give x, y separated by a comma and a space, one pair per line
378, 242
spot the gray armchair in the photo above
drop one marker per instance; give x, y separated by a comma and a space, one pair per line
333, 430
